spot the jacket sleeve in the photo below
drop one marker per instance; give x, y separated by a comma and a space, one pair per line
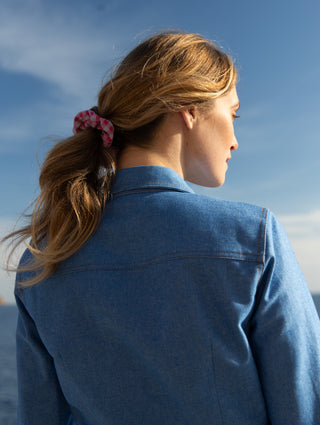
285, 335
40, 399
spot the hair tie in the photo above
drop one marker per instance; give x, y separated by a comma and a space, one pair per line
89, 118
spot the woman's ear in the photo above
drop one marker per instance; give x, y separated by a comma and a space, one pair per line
188, 115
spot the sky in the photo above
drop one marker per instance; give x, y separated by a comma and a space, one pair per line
54, 57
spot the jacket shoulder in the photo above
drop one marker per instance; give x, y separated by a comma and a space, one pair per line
226, 213
223, 207
225, 226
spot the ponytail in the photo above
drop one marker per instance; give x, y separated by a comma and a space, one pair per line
75, 183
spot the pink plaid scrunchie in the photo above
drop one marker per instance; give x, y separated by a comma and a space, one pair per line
89, 118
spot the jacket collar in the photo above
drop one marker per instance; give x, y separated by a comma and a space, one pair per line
148, 177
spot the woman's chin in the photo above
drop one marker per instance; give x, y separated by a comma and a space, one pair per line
211, 181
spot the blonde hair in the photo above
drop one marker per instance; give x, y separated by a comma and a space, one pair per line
165, 73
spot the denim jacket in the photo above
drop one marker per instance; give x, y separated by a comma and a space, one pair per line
181, 309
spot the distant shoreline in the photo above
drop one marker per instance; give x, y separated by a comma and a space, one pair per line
3, 301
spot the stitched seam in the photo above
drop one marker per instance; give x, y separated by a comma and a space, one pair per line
182, 254
134, 191
170, 183
201, 252
259, 232
264, 241
215, 383
156, 260
155, 184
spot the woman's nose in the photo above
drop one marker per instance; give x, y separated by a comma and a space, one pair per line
235, 144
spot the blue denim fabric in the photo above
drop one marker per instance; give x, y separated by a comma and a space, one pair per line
181, 309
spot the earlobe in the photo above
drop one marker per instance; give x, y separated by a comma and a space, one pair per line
188, 116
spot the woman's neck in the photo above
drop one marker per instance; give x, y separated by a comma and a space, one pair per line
164, 150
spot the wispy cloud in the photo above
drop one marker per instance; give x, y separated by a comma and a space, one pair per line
70, 53
70, 56
304, 233
302, 225
41, 120
7, 278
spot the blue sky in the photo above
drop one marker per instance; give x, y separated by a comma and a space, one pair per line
54, 56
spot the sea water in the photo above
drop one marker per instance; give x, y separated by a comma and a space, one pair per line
8, 379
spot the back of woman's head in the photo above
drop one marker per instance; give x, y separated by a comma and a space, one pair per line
164, 74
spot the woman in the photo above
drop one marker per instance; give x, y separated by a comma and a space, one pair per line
141, 302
